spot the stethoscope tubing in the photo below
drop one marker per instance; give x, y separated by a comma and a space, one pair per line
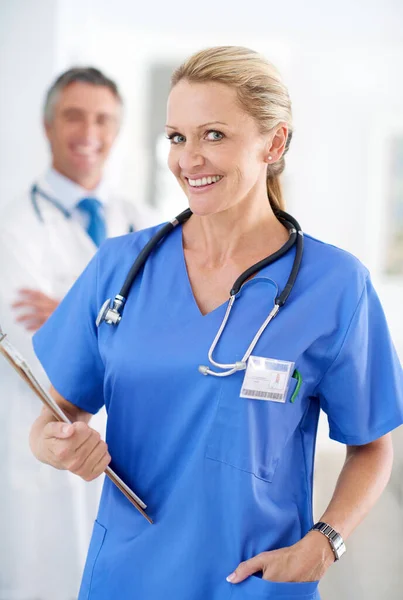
113, 314
36, 191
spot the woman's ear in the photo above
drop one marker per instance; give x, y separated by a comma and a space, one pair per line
276, 144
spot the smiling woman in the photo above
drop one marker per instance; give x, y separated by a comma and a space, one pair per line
260, 101
225, 462
227, 154
219, 151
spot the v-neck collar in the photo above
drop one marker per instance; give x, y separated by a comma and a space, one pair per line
223, 306
183, 266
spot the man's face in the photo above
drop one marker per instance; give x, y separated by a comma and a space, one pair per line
83, 128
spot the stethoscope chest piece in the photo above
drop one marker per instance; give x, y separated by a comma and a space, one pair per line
110, 313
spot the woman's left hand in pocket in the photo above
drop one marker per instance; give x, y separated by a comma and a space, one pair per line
307, 560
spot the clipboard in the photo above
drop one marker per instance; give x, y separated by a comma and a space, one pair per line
15, 359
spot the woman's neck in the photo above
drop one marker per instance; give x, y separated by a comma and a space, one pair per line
235, 235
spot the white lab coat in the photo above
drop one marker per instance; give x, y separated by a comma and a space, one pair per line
46, 515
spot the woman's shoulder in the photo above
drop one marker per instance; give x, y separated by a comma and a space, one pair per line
116, 255
136, 239
334, 256
126, 247
333, 264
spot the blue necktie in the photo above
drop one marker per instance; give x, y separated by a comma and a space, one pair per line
96, 227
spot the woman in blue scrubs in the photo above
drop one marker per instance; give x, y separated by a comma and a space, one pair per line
226, 473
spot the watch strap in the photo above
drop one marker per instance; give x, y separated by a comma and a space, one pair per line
336, 541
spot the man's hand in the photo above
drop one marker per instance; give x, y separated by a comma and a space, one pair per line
308, 560
35, 308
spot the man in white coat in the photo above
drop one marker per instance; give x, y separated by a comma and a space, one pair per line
46, 239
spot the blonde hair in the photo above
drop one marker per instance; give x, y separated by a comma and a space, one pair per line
260, 91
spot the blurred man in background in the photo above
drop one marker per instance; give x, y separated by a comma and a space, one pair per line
46, 240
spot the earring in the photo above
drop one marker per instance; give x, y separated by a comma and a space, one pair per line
270, 157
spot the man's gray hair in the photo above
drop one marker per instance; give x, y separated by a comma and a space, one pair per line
83, 74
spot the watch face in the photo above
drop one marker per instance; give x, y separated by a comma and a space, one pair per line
338, 546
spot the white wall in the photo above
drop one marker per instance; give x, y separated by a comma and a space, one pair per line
27, 60
370, 21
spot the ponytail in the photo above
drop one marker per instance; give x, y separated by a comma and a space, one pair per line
275, 193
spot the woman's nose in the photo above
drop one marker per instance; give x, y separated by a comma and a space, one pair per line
190, 157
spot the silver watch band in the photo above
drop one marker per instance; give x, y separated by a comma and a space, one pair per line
336, 541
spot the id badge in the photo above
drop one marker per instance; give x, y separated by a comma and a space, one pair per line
266, 379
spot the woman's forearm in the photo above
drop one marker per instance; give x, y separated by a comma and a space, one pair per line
362, 480
364, 476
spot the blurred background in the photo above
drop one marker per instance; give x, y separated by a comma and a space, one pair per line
343, 63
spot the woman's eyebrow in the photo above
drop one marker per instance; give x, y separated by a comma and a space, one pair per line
200, 126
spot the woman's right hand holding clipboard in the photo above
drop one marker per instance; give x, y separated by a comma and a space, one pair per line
75, 447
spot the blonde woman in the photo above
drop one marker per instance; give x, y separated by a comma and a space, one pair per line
213, 405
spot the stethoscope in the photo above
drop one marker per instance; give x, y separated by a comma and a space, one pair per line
111, 313
34, 192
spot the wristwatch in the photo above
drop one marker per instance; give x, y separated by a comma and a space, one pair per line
336, 541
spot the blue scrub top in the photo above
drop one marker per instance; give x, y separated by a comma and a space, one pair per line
224, 477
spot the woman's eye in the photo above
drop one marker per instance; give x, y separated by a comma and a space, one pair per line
214, 136
176, 138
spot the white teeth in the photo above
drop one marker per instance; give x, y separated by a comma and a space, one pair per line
204, 181
86, 150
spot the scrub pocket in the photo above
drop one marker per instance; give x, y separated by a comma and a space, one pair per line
97, 540
251, 434
255, 587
